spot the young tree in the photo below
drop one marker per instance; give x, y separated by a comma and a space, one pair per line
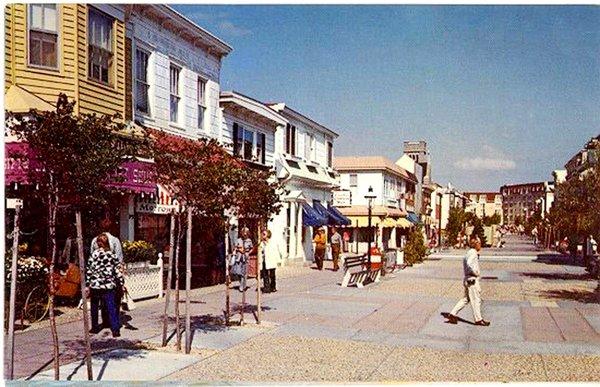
77, 155
456, 220
415, 249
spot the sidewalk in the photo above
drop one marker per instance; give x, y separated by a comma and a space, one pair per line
545, 327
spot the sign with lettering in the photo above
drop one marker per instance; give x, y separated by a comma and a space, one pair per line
342, 198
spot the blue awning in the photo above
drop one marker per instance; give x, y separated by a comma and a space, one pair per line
310, 217
333, 219
341, 219
413, 218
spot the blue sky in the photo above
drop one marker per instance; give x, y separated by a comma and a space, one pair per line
501, 94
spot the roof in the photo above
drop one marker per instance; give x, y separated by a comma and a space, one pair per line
251, 105
19, 100
284, 109
371, 163
185, 25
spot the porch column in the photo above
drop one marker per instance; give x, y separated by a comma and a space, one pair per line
299, 231
127, 220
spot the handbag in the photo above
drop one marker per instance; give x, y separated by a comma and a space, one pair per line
128, 301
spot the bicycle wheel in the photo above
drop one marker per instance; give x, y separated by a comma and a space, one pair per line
37, 304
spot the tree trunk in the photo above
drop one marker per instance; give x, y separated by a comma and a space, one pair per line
258, 271
13, 294
188, 281
177, 249
53, 208
169, 278
227, 283
86, 323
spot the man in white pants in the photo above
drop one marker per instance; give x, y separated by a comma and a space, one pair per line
471, 284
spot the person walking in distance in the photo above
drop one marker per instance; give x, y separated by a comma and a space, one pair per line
472, 288
336, 247
272, 255
320, 242
116, 248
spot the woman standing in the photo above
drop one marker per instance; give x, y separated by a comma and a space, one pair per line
243, 248
320, 242
102, 279
271, 257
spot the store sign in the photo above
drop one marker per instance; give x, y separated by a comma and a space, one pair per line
11, 204
154, 208
342, 198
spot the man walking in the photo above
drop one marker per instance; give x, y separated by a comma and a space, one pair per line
320, 242
336, 246
471, 285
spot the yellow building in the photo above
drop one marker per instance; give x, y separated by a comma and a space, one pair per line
76, 49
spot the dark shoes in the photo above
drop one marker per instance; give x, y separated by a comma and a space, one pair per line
452, 319
482, 323
116, 334
93, 331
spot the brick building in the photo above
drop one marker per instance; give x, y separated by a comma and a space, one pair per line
521, 200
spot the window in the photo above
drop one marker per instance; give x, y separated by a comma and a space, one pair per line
308, 142
141, 81
290, 140
244, 144
100, 47
312, 169
201, 102
43, 35
174, 90
353, 180
329, 153
260, 147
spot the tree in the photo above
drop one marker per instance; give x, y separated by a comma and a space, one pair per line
575, 210
415, 248
491, 220
77, 155
456, 220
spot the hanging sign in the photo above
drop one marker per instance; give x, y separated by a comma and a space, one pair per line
342, 198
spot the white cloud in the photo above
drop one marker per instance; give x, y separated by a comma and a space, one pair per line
485, 164
227, 27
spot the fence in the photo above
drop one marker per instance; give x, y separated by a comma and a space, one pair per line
144, 280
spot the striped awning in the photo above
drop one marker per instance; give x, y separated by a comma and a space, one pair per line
389, 222
403, 223
363, 221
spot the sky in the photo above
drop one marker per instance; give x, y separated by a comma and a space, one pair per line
501, 94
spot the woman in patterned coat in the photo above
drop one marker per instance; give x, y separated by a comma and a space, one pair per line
102, 278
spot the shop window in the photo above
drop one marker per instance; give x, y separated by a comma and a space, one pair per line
100, 46
43, 35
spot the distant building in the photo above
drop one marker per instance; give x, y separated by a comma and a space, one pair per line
585, 159
521, 200
484, 204
417, 150
449, 197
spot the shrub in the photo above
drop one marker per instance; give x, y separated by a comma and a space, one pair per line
415, 249
139, 251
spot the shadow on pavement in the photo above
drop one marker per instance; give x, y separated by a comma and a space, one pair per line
560, 276
460, 319
556, 259
583, 296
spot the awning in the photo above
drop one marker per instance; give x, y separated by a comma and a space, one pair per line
342, 220
19, 100
333, 219
310, 217
403, 223
363, 221
138, 177
388, 222
413, 218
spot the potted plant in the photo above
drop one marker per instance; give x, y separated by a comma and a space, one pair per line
139, 253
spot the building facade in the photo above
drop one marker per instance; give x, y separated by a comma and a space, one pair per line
484, 204
520, 201
392, 190
303, 160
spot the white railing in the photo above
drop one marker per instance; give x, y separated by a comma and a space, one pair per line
144, 280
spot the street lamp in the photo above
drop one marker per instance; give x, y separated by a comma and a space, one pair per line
440, 222
370, 196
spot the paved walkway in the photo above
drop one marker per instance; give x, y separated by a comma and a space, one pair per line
545, 315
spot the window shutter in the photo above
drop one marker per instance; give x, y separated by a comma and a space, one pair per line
236, 145
263, 141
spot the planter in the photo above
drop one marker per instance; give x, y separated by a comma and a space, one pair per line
144, 280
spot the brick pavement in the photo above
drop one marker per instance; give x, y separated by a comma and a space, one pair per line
541, 312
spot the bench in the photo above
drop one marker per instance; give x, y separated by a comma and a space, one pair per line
357, 271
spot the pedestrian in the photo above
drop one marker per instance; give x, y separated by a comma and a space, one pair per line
102, 278
243, 248
472, 288
320, 242
272, 255
534, 234
116, 248
336, 246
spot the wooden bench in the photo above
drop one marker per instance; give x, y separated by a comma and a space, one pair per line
357, 271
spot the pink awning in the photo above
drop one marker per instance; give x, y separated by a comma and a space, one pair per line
138, 176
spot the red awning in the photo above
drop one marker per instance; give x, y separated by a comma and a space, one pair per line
138, 176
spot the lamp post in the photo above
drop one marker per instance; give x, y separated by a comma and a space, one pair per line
370, 196
440, 222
